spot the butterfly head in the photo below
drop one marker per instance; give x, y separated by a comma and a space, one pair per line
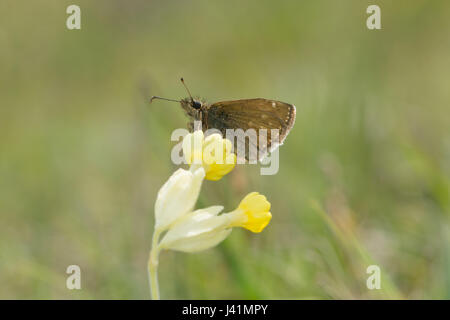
191, 106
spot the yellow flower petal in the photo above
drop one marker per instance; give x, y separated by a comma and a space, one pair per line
216, 171
212, 152
253, 213
193, 147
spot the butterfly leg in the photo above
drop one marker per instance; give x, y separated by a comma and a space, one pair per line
198, 123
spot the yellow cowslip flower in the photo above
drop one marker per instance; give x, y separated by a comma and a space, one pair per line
191, 231
213, 153
206, 228
253, 213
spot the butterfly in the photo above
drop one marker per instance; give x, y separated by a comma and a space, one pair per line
269, 120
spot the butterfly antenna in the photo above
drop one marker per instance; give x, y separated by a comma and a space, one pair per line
184, 84
155, 97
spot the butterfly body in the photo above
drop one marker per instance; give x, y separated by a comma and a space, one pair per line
244, 114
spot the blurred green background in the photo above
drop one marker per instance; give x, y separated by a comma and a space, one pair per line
364, 174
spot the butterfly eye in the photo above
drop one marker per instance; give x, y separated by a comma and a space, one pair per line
196, 104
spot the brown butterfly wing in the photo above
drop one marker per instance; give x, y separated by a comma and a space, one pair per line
252, 114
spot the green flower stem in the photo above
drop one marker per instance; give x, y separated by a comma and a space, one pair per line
153, 266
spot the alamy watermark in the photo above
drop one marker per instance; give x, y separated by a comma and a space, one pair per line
74, 20
74, 280
251, 146
374, 280
373, 22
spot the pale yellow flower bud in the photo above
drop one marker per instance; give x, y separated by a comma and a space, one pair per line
199, 230
177, 196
